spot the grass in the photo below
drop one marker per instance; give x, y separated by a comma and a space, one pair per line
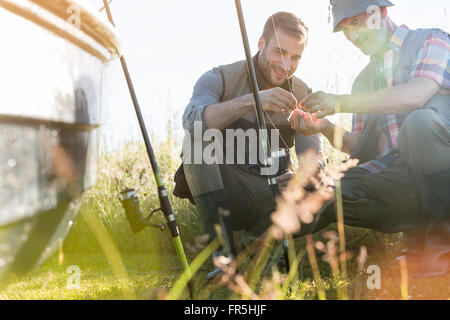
116, 264
97, 279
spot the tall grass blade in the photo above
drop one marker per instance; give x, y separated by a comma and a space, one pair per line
315, 267
184, 278
110, 250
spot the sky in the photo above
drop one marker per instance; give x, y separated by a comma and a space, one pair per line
169, 44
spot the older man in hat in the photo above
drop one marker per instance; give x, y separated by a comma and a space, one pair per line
401, 132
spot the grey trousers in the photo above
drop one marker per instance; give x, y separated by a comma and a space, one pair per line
250, 196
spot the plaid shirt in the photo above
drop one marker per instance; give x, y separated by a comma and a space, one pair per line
432, 63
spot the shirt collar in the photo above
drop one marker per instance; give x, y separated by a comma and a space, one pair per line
396, 41
399, 37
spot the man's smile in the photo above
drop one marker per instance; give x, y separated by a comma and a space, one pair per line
280, 73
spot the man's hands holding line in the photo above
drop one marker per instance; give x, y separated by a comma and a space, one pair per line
277, 100
306, 124
321, 104
316, 107
220, 115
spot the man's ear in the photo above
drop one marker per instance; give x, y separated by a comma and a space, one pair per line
261, 43
384, 12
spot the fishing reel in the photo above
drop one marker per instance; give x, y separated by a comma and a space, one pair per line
130, 202
284, 160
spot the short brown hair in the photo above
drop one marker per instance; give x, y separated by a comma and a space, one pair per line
288, 22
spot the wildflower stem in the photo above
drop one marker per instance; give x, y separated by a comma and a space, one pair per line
262, 259
341, 232
276, 282
338, 143
292, 256
404, 279
315, 267
293, 273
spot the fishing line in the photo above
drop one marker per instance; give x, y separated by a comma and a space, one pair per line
279, 46
291, 88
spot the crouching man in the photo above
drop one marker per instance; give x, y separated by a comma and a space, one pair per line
401, 107
222, 100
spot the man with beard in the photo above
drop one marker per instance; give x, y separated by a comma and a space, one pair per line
401, 132
222, 99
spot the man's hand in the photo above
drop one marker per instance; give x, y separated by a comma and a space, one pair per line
277, 100
320, 104
307, 124
284, 179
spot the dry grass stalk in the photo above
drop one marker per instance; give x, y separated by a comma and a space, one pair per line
297, 205
404, 279
315, 267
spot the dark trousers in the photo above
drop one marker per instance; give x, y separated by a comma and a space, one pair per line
387, 202
424, 141
412, 191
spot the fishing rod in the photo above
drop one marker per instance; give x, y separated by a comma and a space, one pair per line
268, 161
129, 198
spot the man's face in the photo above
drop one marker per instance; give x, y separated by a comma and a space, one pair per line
371, 40
279, 58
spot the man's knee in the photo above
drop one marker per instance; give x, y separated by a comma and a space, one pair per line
423, 141
420, 124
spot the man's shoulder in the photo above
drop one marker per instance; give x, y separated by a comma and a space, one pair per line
297, 82
428, 31
217, 73
234, 67
419, 38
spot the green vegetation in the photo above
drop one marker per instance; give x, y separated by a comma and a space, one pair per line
116, 264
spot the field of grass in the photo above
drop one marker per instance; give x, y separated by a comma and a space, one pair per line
113, 263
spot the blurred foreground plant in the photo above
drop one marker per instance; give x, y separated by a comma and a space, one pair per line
304, 196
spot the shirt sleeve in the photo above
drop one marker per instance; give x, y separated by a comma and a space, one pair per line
357, 123
207, 90
433, 59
